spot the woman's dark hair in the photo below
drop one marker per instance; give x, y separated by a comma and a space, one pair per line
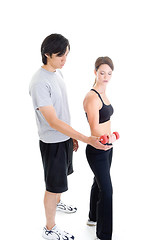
103, 60
54, 43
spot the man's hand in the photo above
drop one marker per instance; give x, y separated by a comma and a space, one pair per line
75, 145
95, 142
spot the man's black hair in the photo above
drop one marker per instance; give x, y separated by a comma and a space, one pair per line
54, 44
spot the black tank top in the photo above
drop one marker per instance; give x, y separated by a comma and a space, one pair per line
105, 112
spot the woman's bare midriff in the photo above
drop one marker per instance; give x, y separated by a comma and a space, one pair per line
104, 128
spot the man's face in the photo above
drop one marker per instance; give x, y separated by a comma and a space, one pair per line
57, 62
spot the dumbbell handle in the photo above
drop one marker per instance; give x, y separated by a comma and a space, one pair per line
104, 139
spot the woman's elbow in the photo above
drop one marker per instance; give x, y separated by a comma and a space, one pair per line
94, 131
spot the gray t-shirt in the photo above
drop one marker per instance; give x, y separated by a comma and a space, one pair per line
48, 88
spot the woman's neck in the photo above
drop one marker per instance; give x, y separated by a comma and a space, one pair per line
101, 89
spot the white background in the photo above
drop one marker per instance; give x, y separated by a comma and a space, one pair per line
127, 32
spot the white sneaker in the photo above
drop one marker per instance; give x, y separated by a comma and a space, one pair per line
56, 234
65, 208
91, 223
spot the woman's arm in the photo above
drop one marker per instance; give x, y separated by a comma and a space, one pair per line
91, 107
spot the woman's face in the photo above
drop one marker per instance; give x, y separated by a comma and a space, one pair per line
103, 74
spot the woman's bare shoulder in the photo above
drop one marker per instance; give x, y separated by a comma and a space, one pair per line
90, 96
90, 99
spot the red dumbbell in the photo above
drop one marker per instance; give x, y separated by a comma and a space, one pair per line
104, 139
117, 135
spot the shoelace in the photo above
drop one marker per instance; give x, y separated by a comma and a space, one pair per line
47, 232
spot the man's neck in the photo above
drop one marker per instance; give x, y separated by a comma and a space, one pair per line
49, 68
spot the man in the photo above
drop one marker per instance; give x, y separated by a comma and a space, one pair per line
57, 138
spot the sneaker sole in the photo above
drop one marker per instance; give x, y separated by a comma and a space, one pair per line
91, 224
57, 238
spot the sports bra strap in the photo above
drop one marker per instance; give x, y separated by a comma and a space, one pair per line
98, 94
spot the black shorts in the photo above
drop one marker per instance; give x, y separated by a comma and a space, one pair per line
57, 164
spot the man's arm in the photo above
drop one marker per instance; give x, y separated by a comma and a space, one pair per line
49, 114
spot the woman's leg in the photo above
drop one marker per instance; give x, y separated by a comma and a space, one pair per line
94, 196
100, 165
104, 206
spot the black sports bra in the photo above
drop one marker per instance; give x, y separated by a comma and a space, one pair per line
105, 112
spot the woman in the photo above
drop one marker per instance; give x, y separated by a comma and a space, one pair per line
99, 110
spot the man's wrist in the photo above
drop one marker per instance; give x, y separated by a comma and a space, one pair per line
84, 139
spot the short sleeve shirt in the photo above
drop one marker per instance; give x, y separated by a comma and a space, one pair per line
46, 89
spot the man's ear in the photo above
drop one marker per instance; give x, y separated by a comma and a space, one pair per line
46, 54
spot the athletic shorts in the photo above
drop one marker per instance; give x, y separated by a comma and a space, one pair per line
57, 164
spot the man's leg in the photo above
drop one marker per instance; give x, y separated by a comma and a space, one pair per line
50, 204
58, 197
51, 231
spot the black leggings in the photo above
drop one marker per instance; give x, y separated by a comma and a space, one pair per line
101, 191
